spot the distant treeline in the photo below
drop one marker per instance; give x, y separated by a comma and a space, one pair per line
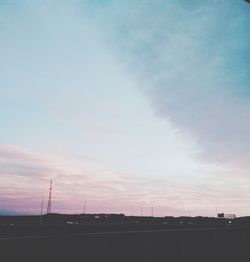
118, 218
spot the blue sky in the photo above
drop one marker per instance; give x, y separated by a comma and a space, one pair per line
145, 102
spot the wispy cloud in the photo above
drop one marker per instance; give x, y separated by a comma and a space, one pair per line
104, 190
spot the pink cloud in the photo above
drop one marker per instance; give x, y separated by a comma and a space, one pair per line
23, 185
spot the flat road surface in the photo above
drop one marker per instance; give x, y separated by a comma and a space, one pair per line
177, 244
58, 234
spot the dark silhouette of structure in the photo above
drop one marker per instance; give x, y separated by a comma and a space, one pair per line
49, 200
41, 214
226, 216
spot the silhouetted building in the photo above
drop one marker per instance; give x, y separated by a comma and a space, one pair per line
226, 216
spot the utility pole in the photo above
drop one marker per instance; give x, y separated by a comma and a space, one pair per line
41, 214
142, 212
152, 211
84, 207
49, 200
216, 210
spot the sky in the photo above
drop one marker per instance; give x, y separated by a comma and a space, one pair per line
125, 105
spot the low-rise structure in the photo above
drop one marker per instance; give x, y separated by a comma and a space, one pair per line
226, 216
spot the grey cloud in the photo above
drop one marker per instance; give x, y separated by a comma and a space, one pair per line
191, 61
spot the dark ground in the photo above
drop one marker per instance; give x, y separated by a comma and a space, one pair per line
126, 242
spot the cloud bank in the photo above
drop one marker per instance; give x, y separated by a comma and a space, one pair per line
192, 60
